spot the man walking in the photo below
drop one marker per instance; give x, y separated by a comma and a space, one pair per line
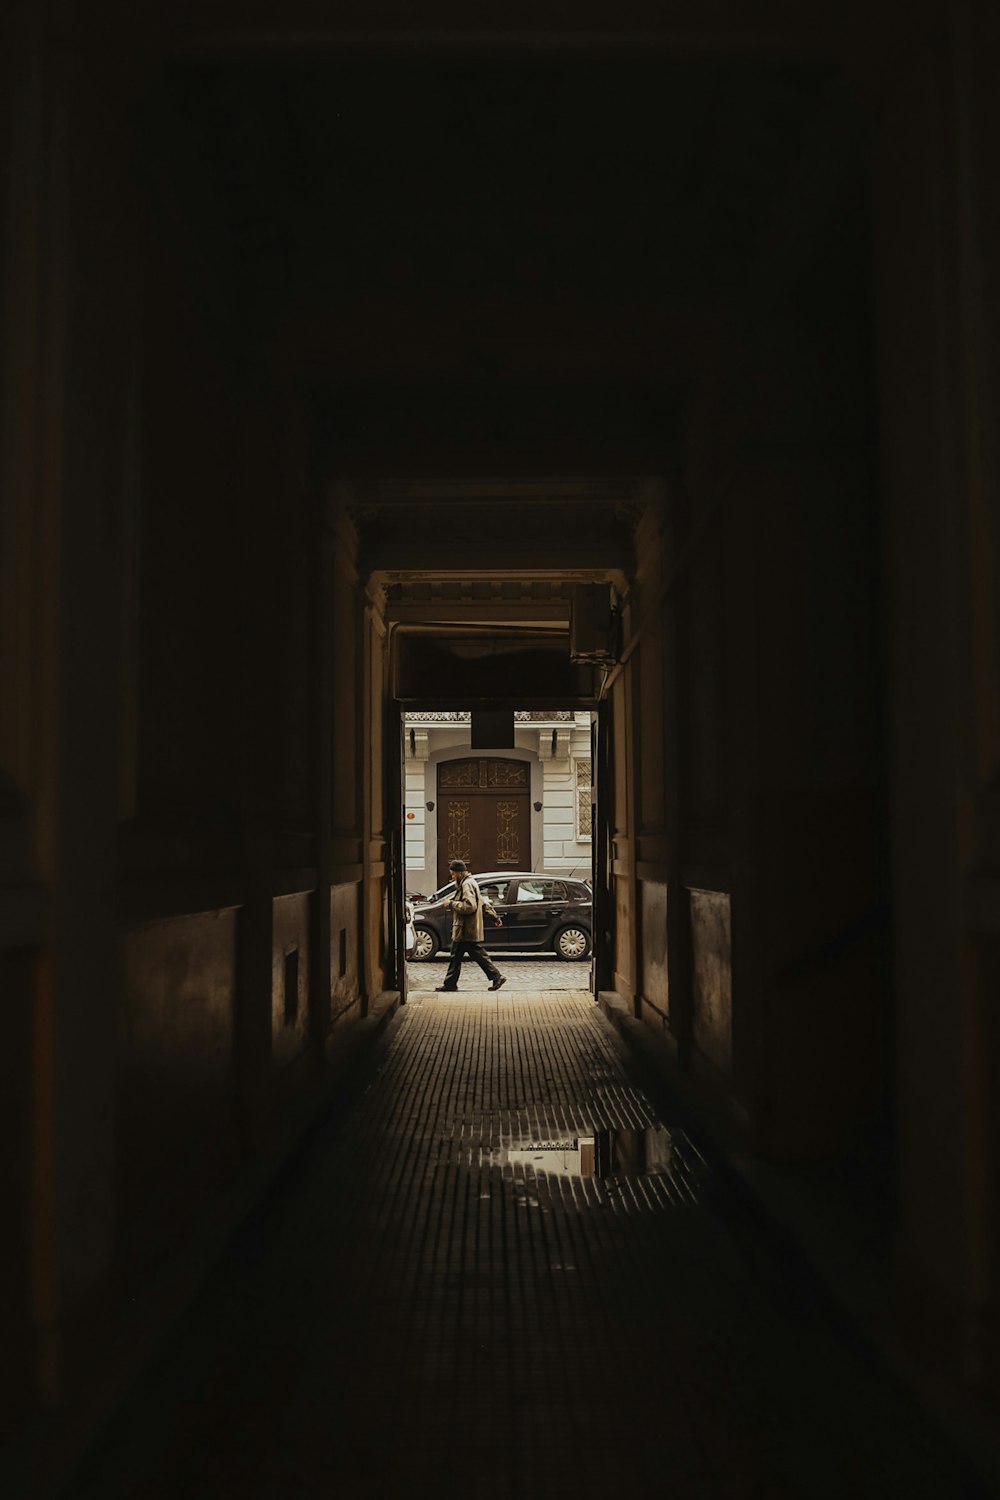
467, 906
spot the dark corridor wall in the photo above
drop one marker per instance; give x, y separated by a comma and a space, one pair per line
739, 359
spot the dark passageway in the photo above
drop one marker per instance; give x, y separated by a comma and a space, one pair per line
632, 367
441, 1304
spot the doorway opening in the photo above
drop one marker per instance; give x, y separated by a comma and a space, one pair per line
520, 813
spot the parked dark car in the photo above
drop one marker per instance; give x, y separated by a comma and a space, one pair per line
540, 913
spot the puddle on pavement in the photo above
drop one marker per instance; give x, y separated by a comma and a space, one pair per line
620, 1152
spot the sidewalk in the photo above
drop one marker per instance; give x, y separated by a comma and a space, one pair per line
502, 1276
524, 972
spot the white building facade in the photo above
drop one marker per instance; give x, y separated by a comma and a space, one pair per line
527, 807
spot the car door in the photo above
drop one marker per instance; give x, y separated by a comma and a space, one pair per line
535, 910
496, 892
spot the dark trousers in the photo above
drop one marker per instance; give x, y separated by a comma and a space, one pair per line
462, 948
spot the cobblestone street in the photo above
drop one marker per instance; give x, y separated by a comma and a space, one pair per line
536, 971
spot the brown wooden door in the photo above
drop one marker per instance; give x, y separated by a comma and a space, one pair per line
484, 814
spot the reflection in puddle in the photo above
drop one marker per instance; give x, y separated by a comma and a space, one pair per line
624, 1152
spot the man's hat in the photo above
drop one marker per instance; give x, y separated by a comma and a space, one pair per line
457, 864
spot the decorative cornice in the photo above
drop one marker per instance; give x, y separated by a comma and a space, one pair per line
521, 716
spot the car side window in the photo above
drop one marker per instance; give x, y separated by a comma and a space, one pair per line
541, 890
495, 892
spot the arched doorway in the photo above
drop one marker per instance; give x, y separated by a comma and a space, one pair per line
484, 814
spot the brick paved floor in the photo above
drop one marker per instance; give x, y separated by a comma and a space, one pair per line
424, 1311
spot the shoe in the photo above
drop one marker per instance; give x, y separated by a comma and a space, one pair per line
498, 982
440, 988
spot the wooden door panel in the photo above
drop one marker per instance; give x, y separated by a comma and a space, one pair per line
454, 833
511, 832
484, 816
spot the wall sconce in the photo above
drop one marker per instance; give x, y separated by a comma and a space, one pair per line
430, 807
537, 806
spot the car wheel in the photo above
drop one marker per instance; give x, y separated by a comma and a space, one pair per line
426, 944
573, 942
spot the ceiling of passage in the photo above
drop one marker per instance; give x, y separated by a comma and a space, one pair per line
532, 212
501, 266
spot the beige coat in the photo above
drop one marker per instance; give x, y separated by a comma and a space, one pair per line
467, 912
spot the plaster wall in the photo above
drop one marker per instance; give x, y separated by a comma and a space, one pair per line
182, 794
936, 234
712, 977
345, 983
563, 847
174, 1113
655, 969
16, 984
749, 867
290, 970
